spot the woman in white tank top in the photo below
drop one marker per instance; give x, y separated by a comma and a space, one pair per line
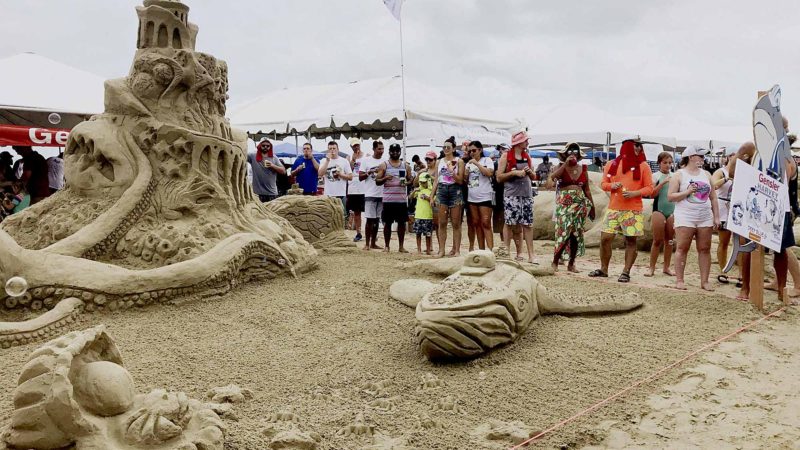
696, 214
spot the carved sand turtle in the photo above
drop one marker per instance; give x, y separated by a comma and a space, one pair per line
485, 304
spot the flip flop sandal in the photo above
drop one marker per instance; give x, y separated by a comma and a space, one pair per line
739, 284
624, 278
723, 279
598, 273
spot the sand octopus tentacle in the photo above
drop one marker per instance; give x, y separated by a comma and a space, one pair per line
47, 325
102, 234
52, 277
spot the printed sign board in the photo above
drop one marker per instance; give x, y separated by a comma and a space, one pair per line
758, 204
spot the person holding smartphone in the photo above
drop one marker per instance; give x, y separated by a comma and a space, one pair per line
336, 171
394, 175
306, 170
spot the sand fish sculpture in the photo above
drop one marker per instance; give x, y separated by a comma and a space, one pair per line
75, 393
157, 203
489, 303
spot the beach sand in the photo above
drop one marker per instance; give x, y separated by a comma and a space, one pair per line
330, 348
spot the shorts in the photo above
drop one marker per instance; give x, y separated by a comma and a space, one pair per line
625, 222
423, 227
355, 203
681, 220
373, 207
394, 213
686, 223
266, 198
518, 210
788, 233
486, 204
449, 195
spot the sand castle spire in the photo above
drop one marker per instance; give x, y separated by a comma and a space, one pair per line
165, 24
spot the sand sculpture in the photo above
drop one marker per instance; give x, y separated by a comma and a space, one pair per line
157, 203
320, 219
489, 303
46, 325
74, 391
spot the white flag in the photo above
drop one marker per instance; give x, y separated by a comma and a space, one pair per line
394, 6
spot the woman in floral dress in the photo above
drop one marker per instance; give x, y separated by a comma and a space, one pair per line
573, 204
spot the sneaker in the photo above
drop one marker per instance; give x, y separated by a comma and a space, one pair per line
357, 238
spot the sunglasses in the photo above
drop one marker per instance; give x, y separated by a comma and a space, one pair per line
573, 152
428, 159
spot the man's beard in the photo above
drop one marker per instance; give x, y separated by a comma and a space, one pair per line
572, 162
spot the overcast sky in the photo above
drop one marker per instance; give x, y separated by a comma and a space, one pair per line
677, 63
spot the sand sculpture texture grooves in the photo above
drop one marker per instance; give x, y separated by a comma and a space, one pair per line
157, 203
319, 219
74, 391
489, 303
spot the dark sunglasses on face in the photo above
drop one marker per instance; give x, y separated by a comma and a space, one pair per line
428, 159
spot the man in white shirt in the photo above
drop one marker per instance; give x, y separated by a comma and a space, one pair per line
355, 188
373, 194
337, 173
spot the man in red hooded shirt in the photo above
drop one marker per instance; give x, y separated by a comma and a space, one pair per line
628, 178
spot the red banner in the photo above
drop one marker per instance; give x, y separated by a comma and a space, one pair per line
32, 136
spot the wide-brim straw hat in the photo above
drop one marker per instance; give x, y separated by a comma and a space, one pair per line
562, 154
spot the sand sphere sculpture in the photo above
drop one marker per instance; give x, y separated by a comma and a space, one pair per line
489, 302
157, 203
75, 393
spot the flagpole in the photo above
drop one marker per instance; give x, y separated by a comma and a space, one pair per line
403, 85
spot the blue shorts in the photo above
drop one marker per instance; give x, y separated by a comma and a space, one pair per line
449, 195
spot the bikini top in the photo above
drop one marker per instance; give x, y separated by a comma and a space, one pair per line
583, 178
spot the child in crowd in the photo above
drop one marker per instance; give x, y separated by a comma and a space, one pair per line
14, 199
423, 215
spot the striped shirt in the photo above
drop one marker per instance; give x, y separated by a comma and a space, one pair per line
393, 190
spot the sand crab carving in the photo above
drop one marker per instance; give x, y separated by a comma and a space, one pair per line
486, 304
74, 391
157, 203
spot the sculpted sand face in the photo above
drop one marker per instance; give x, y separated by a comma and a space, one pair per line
157, 203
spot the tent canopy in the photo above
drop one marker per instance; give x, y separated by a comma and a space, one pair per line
34, 87
369, 109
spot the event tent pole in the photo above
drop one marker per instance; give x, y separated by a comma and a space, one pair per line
403, 85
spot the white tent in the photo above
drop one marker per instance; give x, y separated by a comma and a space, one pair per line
370, 109
35, 86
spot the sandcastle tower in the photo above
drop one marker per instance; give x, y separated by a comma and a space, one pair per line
165, 24
157, 189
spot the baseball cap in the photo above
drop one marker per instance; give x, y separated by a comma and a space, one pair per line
694, 150
430, 155
354, 141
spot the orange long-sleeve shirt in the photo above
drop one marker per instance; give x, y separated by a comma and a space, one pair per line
644, 184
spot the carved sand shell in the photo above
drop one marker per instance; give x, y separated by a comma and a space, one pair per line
47, 413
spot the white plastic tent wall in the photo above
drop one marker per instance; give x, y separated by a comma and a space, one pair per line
370, 109
35, 86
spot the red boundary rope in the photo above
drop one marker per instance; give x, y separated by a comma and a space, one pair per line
652, 377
